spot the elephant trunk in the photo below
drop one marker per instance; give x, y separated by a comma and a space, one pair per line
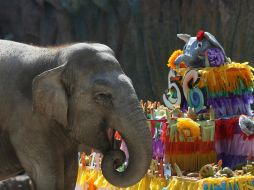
183, 58
132, 126
190, 61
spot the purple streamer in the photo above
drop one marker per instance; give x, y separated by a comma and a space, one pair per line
231, 160
158, 150
232, 105
184, 106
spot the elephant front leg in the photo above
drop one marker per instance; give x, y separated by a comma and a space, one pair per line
70, 169
42, 162
51, 176
45, 180
45, 174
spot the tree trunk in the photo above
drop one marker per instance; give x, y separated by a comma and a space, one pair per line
141, 32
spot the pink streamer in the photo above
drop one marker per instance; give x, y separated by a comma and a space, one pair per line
125, 149
235, 146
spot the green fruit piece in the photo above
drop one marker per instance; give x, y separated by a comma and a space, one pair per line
206, 171
228, 172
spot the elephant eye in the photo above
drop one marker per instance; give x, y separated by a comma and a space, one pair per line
103, 98
199, 45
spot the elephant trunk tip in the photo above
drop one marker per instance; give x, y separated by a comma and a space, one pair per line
138, 163
179, 60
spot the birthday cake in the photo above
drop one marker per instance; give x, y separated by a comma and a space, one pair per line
216, 93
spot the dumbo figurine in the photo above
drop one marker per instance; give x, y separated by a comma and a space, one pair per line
196, 47
54, 99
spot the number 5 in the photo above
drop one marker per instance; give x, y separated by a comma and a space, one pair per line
174, 99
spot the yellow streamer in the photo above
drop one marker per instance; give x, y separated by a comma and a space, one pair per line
225, 78
157, 183
191, 162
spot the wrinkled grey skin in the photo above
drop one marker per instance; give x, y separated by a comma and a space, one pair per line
53, 99
193, 51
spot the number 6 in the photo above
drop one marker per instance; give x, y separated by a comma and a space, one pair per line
194, 96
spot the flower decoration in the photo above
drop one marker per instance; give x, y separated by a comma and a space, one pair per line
172, 59
200, 35
215, 57
186, 124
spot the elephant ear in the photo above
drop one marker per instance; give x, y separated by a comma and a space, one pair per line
213, 41
184, 37
49, 96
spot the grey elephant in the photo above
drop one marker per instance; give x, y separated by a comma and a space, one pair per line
53, 99
195, 48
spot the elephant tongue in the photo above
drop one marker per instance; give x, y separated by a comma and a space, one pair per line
110, 133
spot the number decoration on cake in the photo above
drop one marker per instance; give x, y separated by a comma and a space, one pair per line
208, 78
193, 94
173, 97
180, 90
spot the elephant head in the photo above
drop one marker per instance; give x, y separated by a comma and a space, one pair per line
195, 48
89, 95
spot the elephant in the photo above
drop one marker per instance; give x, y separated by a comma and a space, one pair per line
194, 50
246, 125
52, 99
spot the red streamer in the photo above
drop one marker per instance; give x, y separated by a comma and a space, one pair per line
226, 128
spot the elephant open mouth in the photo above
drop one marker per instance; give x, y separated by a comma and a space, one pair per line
117, 155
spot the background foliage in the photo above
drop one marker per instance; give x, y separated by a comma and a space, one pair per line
141, 32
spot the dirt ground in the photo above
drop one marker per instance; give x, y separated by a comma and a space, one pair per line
21, 182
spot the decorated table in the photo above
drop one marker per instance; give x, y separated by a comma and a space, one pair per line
203, 138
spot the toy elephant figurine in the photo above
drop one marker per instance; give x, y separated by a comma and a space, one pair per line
246, 124
196, 48
54, 99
